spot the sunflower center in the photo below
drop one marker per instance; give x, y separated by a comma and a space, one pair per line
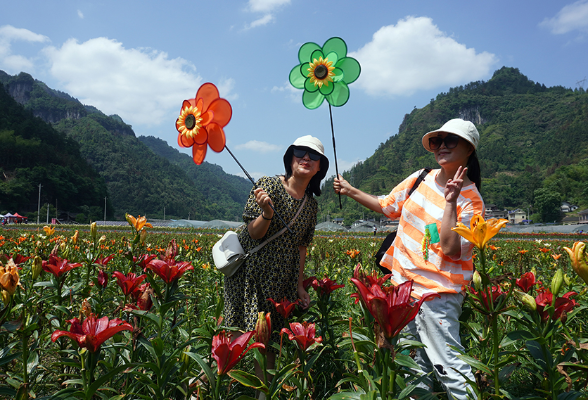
321, 71
190, 121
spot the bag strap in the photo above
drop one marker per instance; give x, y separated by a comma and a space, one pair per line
421, 177
275, 235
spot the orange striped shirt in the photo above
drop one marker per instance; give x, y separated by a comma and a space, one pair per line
425, 207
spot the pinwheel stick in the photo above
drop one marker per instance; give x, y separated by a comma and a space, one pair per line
335, 151
255, 186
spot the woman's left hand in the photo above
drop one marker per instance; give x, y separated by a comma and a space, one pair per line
453, 186
304, 297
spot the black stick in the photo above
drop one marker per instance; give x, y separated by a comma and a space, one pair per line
255, 186
335, 151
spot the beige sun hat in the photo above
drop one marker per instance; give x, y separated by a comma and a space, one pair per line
457, 126
312, 143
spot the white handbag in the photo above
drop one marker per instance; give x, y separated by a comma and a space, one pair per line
228, 254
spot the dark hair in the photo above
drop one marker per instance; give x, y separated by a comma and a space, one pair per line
474, 172
314, 186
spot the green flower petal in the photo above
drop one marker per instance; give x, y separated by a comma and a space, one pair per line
338, 75
306, 50
312, 100
316, 55
339, 96
337, 45
327, 90
296, 78
332, 56
351, 69
309, 86
304, 69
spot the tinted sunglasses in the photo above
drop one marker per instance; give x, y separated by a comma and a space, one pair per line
450, 141
301, 152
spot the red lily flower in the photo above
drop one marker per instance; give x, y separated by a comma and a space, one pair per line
18, 259
325, 286
128, 283
562, 306
284, 308
263, 328
104, 261
143, 260
483, 296
169, 270
391, 306
93, 331
307, 282
102, 278
526, 282
227, 354
58, 266
304, 334
369, 280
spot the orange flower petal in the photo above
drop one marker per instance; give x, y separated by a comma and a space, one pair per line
207, 93
198, 153
187, 103
216, 137
184, 141
207, 117
202, 136
222, 111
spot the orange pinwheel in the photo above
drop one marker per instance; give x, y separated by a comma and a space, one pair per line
201, 122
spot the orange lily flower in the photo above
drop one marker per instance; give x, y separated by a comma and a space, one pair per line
9, 278
138, 223
523, 251
544, 250
578, 257
556, 256
48, 230
201, 121
480, 231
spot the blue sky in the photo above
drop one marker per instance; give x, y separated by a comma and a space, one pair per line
141, 59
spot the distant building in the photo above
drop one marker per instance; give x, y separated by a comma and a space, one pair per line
567, 207
338, 221
517, 217
583, 217
493, 211
571, 220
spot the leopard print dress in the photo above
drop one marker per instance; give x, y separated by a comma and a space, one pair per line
271, 272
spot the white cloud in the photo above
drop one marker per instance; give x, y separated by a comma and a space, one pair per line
571, 17
415, 55
266, 6
14, 63
254, 175
80, 14
292, 93
266, 19
141, 85
225, 89
259, 147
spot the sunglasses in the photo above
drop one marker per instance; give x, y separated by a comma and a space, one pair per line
300, 153
450, 141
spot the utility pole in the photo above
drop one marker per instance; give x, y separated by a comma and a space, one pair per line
48, 206
105, 209
39, 205
164, 213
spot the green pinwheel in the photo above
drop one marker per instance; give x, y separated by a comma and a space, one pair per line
324, 72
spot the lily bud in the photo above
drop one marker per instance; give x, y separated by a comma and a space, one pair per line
102, 278
578, 257
567, 280
477, 279
37, 267
527, 300
557, 282
86, 309
75, 237
62, 246
143, 236
534, 271
102, 239
263, 328
5, 297
93, 231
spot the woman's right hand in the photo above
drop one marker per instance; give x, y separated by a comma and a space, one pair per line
264, 201
341, 186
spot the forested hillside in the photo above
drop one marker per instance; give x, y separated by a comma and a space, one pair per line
33, 153
138, 180
533, 149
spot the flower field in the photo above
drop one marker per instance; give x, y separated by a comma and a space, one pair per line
137, 313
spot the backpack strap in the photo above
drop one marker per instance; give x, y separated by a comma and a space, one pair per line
421, 177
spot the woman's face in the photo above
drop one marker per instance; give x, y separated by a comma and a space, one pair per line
304, 167
453, 157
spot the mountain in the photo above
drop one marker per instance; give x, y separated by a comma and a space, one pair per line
533, 143
32, 152
138, 180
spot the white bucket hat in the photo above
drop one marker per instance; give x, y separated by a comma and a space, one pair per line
458, 127
314, 144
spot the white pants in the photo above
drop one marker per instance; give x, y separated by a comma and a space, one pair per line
437, 327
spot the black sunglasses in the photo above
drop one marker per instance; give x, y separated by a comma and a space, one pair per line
301, 152
450, 141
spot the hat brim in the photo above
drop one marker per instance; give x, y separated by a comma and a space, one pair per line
425, 139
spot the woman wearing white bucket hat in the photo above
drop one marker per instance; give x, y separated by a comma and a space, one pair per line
276, 271
428, 252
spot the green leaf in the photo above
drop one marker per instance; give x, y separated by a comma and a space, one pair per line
247, 379
205, 367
